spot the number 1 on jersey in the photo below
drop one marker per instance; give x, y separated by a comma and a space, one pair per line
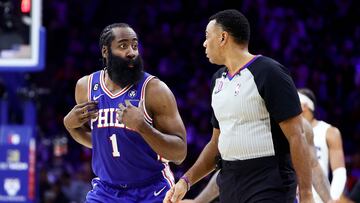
115, 152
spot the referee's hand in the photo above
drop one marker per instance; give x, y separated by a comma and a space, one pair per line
176, 193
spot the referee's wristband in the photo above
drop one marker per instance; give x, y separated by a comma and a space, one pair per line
186, 179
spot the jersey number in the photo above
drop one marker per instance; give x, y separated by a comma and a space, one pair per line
115, 152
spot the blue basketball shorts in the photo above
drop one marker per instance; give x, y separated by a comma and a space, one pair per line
150, 193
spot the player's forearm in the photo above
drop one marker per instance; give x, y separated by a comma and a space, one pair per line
81, 135
321, 183
170, 147
210, 192
300, 158
205, 164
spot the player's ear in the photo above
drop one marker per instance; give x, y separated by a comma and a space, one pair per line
104, 52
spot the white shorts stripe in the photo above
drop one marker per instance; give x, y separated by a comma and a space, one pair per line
168, 175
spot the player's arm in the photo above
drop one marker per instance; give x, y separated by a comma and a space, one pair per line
76, 121
294, 132
337, 163
205, 164
167, 137
209, 193
319, 180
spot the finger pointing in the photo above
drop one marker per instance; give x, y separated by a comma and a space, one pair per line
128, 103
122, 107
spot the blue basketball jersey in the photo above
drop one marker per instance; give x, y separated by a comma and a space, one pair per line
120, 156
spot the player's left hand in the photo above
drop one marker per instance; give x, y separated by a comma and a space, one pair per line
130, 115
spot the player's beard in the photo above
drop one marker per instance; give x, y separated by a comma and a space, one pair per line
124, 71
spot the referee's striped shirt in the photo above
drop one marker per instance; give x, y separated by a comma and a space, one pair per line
248, 106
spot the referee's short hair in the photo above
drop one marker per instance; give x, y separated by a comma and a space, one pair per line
235, 23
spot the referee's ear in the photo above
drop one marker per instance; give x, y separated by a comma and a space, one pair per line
224, 37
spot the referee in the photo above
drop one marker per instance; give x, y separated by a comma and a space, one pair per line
257, 127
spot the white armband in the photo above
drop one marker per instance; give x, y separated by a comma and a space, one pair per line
338, 182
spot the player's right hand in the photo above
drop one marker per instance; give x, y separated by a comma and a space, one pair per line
176, 193
80, 114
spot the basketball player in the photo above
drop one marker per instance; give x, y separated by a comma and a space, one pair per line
319, 180
130, 120
257, 123
328, 143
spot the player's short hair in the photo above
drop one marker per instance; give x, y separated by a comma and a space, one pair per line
235, 23
107, 35
307, 92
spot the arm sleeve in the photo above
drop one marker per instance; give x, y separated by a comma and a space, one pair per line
338, 182
278, 91
214, 121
